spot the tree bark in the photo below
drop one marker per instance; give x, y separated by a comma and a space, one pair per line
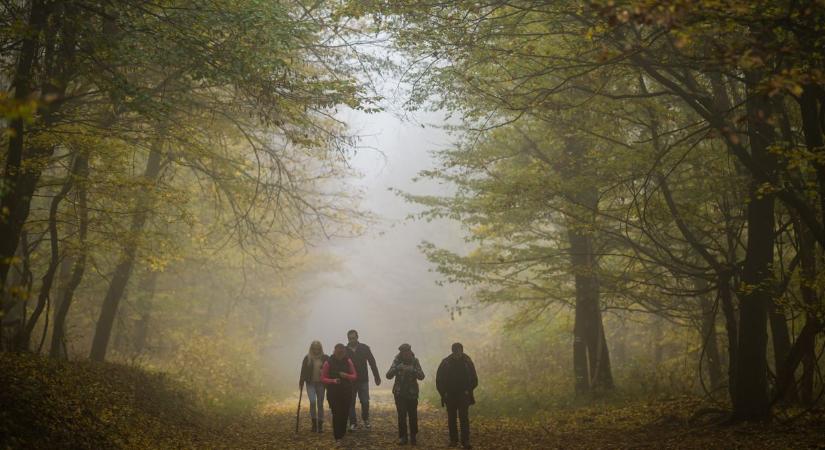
781, 347
123, 271
709, 339
146, 291
806, 341
19, 183
591, 358
810, 105
751, 401
54, 261
58, 344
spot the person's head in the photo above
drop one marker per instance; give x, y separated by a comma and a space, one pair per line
316, 349
340, 351
405, 352
458, 349
352, 336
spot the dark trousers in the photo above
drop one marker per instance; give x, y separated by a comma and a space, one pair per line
360, 389
458, 408
407, 407
339, 397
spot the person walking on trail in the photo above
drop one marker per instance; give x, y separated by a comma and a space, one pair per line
338, 374
311, 378
361, 355
455, 380
406, 370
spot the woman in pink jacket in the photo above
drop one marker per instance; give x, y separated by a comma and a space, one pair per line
337, 374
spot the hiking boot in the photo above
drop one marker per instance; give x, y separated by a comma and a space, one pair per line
353, 427
367, 425
412, 440
314, 425
320, 426
402, 441
466, 446
453, 444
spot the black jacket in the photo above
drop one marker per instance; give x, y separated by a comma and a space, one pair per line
360, 357
456, 378
306, 368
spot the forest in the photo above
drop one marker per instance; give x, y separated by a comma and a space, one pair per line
617, 206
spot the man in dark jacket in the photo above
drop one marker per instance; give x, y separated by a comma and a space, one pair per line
455, 380
361, 355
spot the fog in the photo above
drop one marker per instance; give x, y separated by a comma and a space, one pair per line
382, 285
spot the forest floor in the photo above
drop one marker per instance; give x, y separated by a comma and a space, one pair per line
661, 424
47, 404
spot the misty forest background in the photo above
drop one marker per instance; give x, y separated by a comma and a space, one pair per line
611, 203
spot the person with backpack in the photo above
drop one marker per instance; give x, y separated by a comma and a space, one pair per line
361, 355
406, 370
455, 380
338, 374
311, 378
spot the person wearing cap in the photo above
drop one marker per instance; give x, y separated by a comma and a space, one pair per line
406, 370
455, 380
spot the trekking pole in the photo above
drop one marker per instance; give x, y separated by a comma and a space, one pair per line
298, 414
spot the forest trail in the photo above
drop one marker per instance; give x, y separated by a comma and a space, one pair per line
92, 406
274, 428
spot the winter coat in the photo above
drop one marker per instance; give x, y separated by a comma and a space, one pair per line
306, 368
456, 378
406, 377
335, 369
360, 357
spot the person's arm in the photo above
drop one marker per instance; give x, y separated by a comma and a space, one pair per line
419, 372
325, 375
439, 379
473, 375
393, 369
373, 366
351, 375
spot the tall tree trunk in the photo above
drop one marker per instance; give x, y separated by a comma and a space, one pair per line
58, 340
591, 358
123, 271
751, 401
13, 316
590, 355
806, 341
19, 178
813, 127
54, 261
781, 338
656, 343
19, 182
709, 339
145, 294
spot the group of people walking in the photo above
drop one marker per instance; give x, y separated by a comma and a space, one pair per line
343, 377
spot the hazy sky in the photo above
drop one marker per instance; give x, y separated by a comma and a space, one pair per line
384, 287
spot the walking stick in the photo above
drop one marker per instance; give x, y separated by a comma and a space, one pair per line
298, 414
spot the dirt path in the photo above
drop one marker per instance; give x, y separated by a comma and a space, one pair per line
276, 429
661, 427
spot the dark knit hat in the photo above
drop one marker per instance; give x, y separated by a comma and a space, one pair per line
404, 347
